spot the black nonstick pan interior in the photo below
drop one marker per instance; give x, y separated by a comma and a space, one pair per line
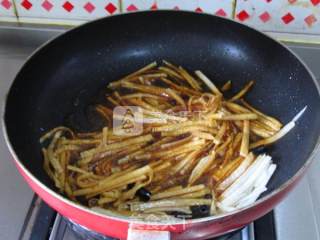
67, 74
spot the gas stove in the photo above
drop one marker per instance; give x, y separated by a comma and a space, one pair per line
42, 222
25, 216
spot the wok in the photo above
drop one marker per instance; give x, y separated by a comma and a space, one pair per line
67, 73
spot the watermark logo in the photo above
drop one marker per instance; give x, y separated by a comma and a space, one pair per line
170, 223
127, 121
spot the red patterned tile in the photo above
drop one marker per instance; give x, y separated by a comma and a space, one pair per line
315, 2
223, 8
71, 12
285, 16
6, 4
26, 4
310, 20
288, 18
132, 8
110, 8
89, 7
68, 6
265, 17
198, 10
47, 5
154, 6
221, 13
243, 15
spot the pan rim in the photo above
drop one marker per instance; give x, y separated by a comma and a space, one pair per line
220, 217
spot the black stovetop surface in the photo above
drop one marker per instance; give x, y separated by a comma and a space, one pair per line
43, 224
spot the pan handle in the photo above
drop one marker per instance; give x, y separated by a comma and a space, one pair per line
139, 234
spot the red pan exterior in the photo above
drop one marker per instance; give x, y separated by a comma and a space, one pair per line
119, 229
194, 229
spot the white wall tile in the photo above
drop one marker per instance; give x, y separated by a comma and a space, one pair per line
7, 11
222, 8
279, 16
189, 5
65, 11
294, 16
169, 4
137, 5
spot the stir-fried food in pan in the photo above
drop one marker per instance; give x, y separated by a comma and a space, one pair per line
197, 152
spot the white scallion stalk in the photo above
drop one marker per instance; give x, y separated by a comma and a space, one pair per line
245, 183
260, 187
236, 173
251, 198
208, 82
283, 131
263, 180
224, 208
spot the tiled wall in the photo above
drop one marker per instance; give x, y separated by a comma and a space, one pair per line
282, 16
279, 15
219, 7
7, 12
64, 11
